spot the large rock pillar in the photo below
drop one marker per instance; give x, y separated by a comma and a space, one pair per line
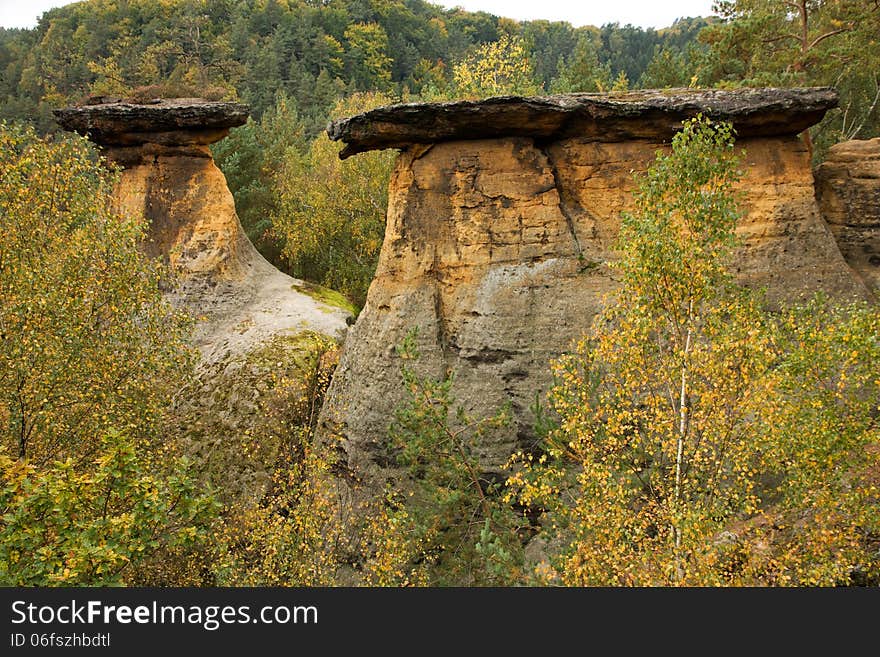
502, 218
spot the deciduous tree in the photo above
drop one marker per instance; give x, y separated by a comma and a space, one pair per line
499, 68
700, 441
87, 342
330, 213
90, 358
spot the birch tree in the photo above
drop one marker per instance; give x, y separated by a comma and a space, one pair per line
699, 439
653, 405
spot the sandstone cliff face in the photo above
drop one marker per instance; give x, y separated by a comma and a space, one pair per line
498, 249
848, 191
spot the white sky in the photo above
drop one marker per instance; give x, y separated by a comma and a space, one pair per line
24, 13
644, 13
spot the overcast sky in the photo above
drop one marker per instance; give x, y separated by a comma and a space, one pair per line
24, 13
645, 13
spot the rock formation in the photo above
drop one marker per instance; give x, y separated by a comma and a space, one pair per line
848, 191
255, 325
169, 177
614, 117
501, 223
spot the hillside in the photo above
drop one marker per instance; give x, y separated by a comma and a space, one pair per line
297, 64
253, 51
529, 304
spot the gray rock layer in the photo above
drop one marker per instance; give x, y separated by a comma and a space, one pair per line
168, 122
615, 117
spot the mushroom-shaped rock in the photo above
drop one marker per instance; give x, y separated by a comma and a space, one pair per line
170, 178
502, 219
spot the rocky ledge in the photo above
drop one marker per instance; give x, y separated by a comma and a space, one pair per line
614, 117
170, 121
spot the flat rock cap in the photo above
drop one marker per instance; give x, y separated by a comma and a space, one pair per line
646, 114
121, 122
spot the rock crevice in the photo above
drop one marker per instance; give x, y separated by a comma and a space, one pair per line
567, 202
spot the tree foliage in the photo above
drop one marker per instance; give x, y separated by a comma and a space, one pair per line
300, 50
802, 43
667, 69
330, 213
87, 344
67, 524
455, 511
286, 536
582, 70
300, 532
822, 434
251, 158
684, 415
90, 358
369, 65
501, 68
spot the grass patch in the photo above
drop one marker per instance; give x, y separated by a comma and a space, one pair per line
326, 295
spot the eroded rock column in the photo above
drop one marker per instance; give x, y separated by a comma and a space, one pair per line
255, 326
498, 249
169, 178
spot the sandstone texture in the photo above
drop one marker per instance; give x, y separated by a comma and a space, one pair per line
499, 249
169, 177
848, 191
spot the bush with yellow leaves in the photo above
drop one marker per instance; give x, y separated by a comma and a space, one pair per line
699, 439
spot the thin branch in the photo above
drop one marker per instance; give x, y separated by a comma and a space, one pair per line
819, 39
870, 111
781, 37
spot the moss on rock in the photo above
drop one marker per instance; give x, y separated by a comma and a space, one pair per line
239, 413
325, 295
